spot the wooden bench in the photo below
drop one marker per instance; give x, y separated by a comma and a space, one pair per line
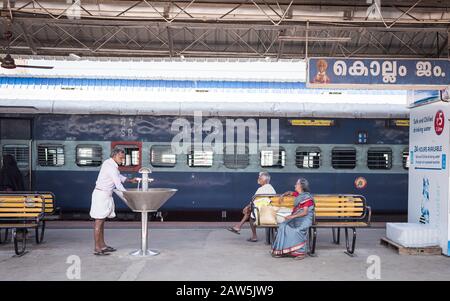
50, 213
331, 211
19, 212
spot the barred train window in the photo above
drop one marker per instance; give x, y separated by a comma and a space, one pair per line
343, 158
379, 158
307, 157
200, 158
405, 159
51, 155
162, 156
20, 152
237, 158
89, 155
273, 158
131, 154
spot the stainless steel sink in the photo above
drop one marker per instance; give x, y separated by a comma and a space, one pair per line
148, 201
144, 202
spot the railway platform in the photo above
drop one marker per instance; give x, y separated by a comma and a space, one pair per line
204, 251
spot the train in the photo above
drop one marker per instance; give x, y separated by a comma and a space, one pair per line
62, 153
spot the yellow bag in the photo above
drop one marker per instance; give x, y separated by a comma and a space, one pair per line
268, 215
260, 202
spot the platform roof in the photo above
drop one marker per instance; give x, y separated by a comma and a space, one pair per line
284, 29
212, 98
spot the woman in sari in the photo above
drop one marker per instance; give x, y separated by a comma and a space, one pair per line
293, 232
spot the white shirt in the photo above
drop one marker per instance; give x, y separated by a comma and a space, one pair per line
110, 177
265, 189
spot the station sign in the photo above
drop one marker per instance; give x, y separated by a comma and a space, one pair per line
422, 74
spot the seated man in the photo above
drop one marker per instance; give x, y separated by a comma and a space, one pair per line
265, 188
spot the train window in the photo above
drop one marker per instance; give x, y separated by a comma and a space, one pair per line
343, 157
273, 158
89, 155
131, 155
405, 159
200, 158
379, 158
51, 155
307, 157
20, 152
237, 158
162, 156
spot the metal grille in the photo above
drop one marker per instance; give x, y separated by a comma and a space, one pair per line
343, 158
197, 158
51, 155
162, 156
307, 157
237, 159
20, 152
405, 159
273, 158
379, 158
89, 155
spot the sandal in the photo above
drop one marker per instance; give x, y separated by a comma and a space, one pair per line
109, 249
101, 253
231, 229
252, 240
300, 257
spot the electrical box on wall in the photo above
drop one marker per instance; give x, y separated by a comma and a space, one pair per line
362, 137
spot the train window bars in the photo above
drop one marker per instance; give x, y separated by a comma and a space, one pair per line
89, 155
200, 158
273, 157
51, 155
343, 158
162, 156
405, 158
20, 152
307, 157
379, 158
236, 157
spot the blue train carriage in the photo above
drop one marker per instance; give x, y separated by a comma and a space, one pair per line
62, 154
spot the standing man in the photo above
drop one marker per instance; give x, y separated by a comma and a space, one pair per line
102, 203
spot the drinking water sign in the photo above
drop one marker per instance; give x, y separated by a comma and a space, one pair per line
378, 73
429, 177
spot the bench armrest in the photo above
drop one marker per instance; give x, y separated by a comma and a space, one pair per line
255, 211
369, 214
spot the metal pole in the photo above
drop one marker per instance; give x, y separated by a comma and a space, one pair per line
306, 44
144, 233
144, 251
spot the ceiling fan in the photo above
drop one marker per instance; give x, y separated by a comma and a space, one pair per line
8, 61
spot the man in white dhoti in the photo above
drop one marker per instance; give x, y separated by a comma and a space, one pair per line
264, 189
102, 203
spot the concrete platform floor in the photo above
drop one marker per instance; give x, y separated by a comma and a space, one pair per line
205, 251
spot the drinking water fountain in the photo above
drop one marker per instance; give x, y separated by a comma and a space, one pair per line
144, 201
145, 171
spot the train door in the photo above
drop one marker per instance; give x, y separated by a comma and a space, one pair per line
16, 140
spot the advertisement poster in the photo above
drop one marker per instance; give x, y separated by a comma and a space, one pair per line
428, 173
